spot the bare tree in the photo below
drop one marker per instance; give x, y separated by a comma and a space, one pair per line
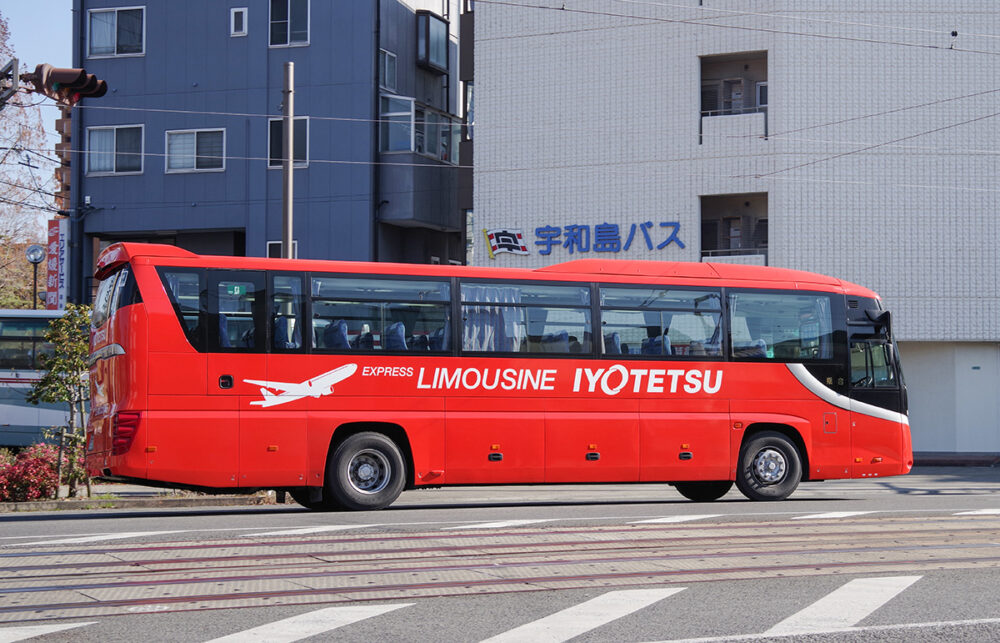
27, 186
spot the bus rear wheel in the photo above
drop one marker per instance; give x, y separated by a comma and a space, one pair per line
704, 491
769, 468
366, 472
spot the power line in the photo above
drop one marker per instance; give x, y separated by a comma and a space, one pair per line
701, 22
739, 13
877, 145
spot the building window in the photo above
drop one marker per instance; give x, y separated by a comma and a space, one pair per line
734, 226
196, 150
734, 84
114, 150
238, 21
470, 109
387, 70
274, 249
396, 131
301, 142
406, 127
432, 42
116, 32
289, 22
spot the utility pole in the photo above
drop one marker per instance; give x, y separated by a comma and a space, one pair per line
288, 159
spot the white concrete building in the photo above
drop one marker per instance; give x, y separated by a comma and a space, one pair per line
855, 139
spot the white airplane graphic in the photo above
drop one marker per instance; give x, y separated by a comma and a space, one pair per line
285, 392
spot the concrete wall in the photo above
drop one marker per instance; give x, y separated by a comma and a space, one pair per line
876, 153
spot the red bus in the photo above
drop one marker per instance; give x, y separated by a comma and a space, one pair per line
345, 382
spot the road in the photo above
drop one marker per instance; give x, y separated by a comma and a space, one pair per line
913, 557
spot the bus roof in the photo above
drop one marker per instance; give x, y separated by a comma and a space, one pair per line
120, 253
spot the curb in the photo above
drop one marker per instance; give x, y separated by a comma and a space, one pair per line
935, 459
84, 504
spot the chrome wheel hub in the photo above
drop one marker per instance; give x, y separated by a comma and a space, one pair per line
769, 466
369, 471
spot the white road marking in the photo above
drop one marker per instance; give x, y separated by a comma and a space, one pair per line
832, 514
582, 618
672, 519
306, 530
20, 633
97, 539
844, 606
844, 630
309, 624
501, 524
979, 512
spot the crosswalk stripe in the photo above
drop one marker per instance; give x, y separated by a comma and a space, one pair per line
979, 512
309, 624
501, 524
584, 617
673, 519
305, 530
832, 514
845, 606
96, 539
20, 633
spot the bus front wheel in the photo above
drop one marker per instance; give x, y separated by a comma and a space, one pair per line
769, 468
704, 491
365, 472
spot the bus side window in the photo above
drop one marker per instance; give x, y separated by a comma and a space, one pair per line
871, 365
126, 291
287, 313
236, 304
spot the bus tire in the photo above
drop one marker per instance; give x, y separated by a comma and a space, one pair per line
309, 500
704, 491
770, 467
366, 472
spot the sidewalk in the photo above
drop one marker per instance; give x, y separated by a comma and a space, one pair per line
127, 496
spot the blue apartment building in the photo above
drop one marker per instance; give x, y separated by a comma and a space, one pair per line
185, 148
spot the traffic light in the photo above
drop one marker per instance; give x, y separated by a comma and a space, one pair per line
66, 86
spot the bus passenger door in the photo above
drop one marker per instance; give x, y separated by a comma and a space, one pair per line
273, 418
234, 322
877, 401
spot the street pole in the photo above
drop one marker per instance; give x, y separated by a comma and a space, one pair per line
34, 287
288, 159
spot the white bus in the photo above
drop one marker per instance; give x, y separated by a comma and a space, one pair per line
22, 342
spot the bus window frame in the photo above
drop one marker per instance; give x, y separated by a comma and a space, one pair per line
258, 312
459, 303
448, 304
838, 330
198, 340
723, 324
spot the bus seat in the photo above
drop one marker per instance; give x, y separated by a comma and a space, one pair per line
279, 333
659, 345
224, 341
756, 348
395, 337
555, 342
438, 340
613, 344
335, 335
364, 342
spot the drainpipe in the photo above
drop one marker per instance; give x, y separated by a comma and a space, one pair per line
375, 135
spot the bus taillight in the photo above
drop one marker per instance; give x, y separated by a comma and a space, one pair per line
125, 427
